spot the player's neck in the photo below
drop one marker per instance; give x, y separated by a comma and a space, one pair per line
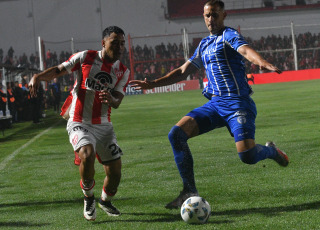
105, 57
217, 31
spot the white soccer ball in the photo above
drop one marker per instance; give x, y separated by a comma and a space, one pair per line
195, 210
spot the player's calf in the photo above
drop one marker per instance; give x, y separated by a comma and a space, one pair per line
250, 156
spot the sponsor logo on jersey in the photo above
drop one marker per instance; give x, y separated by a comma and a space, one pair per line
242, 134
100, 81
240, 113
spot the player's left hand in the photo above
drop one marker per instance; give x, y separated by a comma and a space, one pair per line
105, 97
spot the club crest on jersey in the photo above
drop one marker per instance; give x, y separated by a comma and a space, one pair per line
118, 72
75, 140
100, 81
241, 117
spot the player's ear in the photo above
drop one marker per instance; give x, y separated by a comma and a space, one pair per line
224, 14
103, 43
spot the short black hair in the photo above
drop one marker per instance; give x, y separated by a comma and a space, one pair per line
112, 29
215, 2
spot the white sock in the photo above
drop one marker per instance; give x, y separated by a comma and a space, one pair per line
105, 196
87, 190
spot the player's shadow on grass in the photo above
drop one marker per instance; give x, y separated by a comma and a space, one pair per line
76, 201
270, 211
40, 203
168, 217
161, 217
30, 130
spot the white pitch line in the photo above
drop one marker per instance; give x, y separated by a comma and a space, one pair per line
4, 163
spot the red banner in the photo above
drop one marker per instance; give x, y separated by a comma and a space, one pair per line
299, 75
286, 76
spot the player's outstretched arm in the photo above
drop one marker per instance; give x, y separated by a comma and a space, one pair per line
47, 75
174, 76
255, 58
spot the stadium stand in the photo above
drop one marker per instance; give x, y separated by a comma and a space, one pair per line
180, 9
154, 61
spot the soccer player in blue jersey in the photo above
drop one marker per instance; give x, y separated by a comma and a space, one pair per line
228, 91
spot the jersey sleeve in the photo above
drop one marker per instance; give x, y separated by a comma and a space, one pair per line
73, 63
196, 58
123, 83
235, 39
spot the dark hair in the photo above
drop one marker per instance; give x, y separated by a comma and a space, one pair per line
112, 29
215, 2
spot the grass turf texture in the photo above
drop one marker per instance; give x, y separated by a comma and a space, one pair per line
39, 187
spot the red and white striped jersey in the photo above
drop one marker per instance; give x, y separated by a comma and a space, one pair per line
93, 74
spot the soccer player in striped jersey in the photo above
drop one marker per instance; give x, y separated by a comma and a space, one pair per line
228, 91
100, 85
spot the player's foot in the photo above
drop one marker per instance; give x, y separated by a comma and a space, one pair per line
109, 208
177, 203
281, 158
89, 210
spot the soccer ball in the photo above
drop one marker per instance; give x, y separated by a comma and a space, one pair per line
195, 210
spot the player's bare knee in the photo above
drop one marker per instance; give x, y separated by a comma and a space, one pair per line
87, 154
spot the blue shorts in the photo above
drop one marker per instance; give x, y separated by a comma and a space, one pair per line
237, 113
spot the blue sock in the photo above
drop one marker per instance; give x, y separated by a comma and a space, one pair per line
257, 153
183, 158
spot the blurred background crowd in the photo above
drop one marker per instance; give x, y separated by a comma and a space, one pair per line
154, 62
147, 62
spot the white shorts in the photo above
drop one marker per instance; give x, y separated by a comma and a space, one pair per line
101, 136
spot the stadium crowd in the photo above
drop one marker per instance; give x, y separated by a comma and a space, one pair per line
22, 107
149, 62
152, 62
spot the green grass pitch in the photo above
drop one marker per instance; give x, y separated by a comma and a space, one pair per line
39, 186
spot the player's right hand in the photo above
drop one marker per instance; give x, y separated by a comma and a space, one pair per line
138, 84
33, 86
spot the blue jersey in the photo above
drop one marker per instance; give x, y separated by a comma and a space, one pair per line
224, 66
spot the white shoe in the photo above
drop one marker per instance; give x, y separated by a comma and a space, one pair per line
89, 209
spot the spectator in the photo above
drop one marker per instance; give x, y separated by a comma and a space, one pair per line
3, 101
10, 52
1, 55
250, 78
36, 104
48, 58
19, 100
11, 102
32, 60
56, 94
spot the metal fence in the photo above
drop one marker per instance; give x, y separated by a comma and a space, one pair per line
290, 47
